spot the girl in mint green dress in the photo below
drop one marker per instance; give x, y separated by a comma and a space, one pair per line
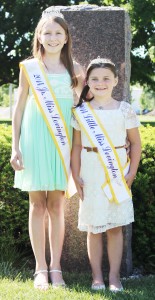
35, 158
43, 170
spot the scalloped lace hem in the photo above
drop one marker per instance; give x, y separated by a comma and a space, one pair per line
103, 228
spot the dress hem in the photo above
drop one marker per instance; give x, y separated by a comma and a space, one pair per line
40, 189
99, 229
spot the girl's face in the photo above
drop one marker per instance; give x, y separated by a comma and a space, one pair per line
101, 82
52, 37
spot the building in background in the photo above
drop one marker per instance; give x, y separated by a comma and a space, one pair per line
136, 93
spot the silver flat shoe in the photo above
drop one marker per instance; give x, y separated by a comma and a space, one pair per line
98, 286
115, 289
38, 284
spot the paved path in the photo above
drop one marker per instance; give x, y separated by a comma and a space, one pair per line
4, 112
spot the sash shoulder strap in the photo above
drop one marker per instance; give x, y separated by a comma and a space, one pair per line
50, 110
118, 190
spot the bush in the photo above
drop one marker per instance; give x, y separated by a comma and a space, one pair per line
4, 95
144, 204
14, 204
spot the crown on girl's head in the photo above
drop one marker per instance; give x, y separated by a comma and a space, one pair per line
52, 11
100, 60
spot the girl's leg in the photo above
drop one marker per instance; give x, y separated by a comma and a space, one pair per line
37, 208
115, 249
55, 207
95, 254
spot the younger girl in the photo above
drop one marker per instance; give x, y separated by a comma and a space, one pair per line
101, 169
42, 138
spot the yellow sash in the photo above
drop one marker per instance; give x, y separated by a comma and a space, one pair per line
115, 187
50, 110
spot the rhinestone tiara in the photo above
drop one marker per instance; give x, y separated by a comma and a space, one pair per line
100, 60
52, 11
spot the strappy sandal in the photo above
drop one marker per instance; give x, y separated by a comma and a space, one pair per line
58, 283
38, 284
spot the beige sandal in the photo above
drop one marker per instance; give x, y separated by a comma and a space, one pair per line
58, 283
38, 284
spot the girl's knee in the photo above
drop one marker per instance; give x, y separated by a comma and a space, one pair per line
91, 235
114, 231
37, 204
55, 208
55, 204
37, 208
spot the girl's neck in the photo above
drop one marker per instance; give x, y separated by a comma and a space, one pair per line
52, 64
103, 100
104, 103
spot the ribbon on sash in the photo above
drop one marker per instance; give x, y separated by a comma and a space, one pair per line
115, 186
50, 110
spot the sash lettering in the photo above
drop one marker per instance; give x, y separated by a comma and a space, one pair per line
50, 110
115, 188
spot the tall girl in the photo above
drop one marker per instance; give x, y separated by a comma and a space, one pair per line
42, 138
101, 169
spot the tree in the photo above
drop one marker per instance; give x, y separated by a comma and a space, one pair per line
18, 19
17, 23
142, 15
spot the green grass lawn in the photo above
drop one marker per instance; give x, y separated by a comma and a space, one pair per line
78, 289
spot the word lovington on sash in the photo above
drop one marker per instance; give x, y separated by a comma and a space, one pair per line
115, 188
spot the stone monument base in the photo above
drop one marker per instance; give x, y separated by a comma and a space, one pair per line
74, 255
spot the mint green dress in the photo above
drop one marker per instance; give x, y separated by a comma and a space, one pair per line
43, 170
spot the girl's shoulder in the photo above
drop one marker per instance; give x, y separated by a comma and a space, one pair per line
78, 69
125, 106
127, 109
28, 60
80, 77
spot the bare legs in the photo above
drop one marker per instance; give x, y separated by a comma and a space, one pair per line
53, 202
55, 206
95, 254
115, 249
37, 228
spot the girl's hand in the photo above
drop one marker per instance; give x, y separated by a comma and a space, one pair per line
79, 185
16, 161
127, 147
129, 179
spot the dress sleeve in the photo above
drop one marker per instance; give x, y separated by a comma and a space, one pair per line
131, 119
74, 123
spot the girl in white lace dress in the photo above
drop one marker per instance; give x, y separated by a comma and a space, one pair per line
96, 213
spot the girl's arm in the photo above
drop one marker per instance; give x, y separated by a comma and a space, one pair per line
135, 154
76, 161
16, 157
79, 72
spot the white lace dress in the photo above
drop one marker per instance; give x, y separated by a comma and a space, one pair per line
96, 213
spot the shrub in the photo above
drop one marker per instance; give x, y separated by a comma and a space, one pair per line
14, 203
144, 204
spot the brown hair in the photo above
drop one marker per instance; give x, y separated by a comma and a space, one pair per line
66, 55
96, 63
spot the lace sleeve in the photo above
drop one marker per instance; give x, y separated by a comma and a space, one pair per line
74, 123
131, 119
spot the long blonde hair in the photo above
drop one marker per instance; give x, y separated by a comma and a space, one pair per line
66, 52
